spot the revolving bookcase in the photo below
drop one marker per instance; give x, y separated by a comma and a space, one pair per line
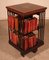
21, 26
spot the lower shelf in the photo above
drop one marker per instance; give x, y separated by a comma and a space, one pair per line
33, 49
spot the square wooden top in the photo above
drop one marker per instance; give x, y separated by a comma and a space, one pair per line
26, 8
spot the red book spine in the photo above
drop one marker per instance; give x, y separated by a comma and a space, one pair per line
31, 23
9, 21
30, 41
29, 26
34, 40
24, 43
12, 23
34, 23
15, 39
16, 23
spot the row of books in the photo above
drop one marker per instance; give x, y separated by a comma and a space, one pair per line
13, 22
28, 42
13, 37
30, 25
25, 26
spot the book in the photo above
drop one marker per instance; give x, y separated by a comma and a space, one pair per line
11, 22
15, 38
34, 23
24, 43
30, 41
29, 26
16, 23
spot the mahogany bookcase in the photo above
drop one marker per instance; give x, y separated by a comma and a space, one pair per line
28, 10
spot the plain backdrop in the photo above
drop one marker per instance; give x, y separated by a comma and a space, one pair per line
4, 3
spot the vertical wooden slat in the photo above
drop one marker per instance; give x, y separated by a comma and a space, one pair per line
41, 24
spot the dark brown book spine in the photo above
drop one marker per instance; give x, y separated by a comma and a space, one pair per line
25, 26
26, 43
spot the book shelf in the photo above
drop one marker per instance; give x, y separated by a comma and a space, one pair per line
22, 24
